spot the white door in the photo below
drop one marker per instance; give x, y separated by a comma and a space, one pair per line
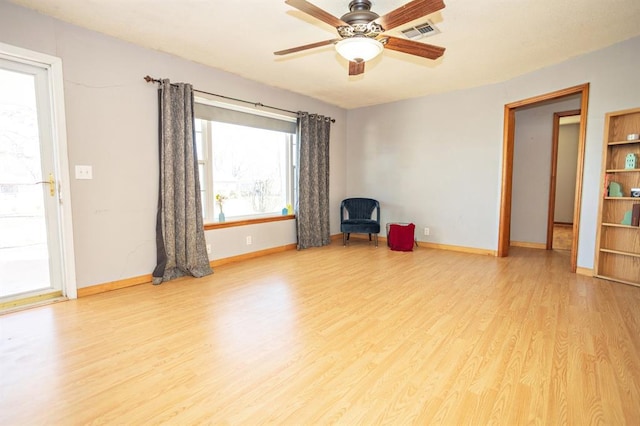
32, 240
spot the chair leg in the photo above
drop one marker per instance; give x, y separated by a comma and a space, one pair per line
369, 237
344, 238
375, 237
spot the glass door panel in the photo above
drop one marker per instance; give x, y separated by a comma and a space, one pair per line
27, 184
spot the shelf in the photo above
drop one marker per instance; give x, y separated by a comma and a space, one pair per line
621, 253
624, 142
622, 170
619, 225
617, 255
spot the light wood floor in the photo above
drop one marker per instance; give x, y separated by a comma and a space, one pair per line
355, 335
562, 236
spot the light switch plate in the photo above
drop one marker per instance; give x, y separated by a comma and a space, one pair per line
84, 172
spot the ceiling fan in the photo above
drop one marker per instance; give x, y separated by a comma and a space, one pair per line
362, 31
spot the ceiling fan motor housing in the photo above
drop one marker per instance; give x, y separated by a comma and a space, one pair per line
360, 13
360, 20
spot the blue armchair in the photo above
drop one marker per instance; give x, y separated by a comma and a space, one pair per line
357, 217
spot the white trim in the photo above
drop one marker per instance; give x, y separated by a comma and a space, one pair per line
241, 108
25, 56
59, 135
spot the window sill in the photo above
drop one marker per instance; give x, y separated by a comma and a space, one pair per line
234, 223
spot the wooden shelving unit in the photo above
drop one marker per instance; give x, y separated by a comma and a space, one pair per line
617, 245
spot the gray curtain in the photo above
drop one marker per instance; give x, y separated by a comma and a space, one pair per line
181, 247
312, 212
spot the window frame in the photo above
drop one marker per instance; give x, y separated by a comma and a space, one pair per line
209, 217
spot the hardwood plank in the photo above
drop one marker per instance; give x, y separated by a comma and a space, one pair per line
350, 335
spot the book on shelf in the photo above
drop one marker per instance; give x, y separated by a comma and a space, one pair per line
635, 215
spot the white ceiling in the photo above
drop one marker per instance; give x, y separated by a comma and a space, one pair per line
487, 41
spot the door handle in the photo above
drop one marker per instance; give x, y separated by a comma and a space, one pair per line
52, 184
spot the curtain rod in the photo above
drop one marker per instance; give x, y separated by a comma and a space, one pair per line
150, 79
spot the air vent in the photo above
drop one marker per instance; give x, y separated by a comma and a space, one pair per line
419, 31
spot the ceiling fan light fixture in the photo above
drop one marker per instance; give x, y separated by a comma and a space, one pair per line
359, 49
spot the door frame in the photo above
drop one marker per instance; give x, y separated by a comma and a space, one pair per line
59, 138
504, 228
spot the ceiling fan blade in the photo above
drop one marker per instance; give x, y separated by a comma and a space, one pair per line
306, 46
316, 12
410, 11
411, 47
356, 68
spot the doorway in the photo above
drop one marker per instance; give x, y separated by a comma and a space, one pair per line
504, 231
36, 251
564, 155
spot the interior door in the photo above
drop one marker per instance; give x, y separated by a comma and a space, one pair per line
30, 230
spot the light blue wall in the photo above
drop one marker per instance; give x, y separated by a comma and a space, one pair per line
436, 160
568, 143
433, 161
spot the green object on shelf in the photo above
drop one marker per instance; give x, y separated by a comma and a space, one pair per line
627, 218
615, 190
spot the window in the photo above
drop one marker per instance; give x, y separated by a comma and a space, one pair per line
246, 158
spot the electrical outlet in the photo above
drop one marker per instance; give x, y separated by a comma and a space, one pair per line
249, 240
208, 248
427, 231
